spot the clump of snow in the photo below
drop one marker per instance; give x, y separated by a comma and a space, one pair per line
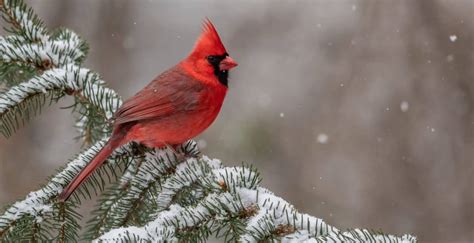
282, 114
213, 163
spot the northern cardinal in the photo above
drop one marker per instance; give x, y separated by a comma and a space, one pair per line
176, 106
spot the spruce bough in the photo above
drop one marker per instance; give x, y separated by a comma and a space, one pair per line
145, 194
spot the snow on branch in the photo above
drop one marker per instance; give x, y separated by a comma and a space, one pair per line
69, 79
40, 202
234, 202
68, 48
23, 20
135, 191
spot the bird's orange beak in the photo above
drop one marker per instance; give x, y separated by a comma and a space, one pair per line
227, 64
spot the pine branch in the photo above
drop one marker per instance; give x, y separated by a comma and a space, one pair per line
237, 206
41, 201
25, 23
19, 102
67, 49
137, 194
13, 73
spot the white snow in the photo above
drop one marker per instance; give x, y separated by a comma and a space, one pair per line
450, 58
272, 211
57, 52
323, 138
39, 202
181, 178
404, 106
201, 143
71, 77
453, 38
213, 163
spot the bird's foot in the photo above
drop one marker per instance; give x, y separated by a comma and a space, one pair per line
179, 154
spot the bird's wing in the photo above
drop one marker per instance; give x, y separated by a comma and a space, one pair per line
170, 93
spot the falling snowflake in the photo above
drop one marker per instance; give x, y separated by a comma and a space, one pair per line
450, 58
404, 106
323, 138
201, 143
453, 38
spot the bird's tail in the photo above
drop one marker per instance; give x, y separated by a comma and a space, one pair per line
90, 167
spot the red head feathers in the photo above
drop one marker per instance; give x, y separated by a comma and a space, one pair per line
209, 61
209, 41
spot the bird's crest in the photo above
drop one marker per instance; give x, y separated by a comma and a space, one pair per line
209, 41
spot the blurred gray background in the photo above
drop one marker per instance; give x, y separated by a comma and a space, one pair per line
358, 112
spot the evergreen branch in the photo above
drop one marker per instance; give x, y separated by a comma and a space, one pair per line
44, 55
138, 189
41, 206
100, 218
20, 113
185, 175
66, 222
363, 235
119, 203
42, 201
13, 73
238, 207
20, 101
24, 21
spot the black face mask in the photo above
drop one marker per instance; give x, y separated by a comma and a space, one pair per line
221, 75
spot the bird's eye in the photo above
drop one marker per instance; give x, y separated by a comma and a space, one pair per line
212, 59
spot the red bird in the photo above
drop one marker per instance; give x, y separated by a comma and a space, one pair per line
176, 106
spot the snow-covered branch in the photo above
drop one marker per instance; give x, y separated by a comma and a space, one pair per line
233, 199
50, 53
40, 202
23, 21
69, 79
